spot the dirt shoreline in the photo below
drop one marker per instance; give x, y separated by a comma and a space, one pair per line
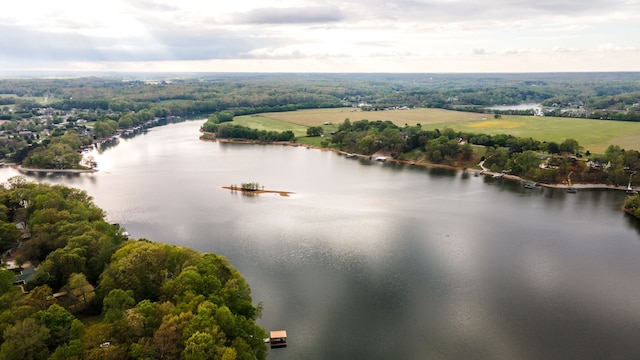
581, 186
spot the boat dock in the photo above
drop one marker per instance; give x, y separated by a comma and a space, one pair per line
278, 338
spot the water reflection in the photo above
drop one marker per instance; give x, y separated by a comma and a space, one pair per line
372, 260
633, 222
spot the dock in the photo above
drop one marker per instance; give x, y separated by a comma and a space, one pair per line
278, 338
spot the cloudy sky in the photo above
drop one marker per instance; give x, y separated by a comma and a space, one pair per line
320, 35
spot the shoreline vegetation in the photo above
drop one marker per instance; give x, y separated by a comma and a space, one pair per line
480, 170
24, 170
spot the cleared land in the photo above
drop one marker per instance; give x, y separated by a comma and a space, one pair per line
270, 123
593, 135
37, 99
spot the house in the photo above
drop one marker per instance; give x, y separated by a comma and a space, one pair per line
25, 134
23, 274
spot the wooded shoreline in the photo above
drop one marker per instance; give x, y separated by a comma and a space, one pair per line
56, 171
581, 186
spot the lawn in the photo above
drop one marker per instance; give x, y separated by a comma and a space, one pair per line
37, 99
593, 135
265, 122
315, 117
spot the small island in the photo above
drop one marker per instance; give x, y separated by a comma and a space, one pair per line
254, 188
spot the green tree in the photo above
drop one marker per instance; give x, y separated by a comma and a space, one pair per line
116, 303
26, 340
524, 164
553, 147
126, 121
80, 288
105, 128
58, 320
39, 298
167, 340
632, 205
71, 351
143, 267
6, 282
225, 116
314, 131
200, 346
569, 146
9, 235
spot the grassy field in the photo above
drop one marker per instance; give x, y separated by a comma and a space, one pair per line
37, 99
593, 135
268, 122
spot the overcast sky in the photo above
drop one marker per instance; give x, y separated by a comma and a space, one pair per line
320, 35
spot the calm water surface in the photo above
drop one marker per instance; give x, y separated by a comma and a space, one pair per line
377, 261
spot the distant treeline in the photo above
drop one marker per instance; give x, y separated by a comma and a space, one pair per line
592, 95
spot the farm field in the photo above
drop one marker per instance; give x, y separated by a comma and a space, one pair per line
593, 135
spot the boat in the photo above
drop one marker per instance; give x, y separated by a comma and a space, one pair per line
381, 158
529, 185
498, 176
350, 155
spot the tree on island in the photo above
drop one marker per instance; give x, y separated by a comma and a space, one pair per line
250, 186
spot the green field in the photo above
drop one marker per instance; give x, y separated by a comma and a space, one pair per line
593, 135
270, 123
37, 99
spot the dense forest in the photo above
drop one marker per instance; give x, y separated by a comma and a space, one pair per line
197, 94
46, 120
97, 295
33, 111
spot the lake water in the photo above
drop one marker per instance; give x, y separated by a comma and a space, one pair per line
536, 107
371, 260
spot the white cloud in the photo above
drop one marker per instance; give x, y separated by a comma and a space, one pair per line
293, 35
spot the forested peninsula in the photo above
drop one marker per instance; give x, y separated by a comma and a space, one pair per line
73, 286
